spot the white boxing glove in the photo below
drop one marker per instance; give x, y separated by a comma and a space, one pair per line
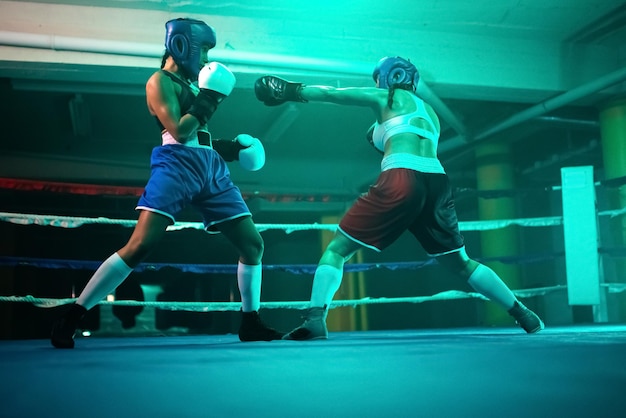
215, 82
252, 155
217, 77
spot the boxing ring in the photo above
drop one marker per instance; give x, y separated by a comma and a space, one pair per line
573, 370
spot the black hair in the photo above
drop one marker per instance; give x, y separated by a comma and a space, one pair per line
166, 55
392, 90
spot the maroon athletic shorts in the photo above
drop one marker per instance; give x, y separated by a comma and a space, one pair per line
401, 200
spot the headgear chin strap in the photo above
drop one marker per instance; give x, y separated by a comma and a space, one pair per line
392, 71
184, 39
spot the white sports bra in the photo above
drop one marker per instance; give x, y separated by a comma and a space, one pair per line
402, 124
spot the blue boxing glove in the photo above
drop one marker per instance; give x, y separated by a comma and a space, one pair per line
274, 91
252, 155
216, 82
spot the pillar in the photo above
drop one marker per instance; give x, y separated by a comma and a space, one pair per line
613, 139
495, 172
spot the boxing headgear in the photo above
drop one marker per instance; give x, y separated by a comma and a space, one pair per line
184, 39
395, 70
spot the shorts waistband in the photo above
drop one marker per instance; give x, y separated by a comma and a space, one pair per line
412, 162
168, 139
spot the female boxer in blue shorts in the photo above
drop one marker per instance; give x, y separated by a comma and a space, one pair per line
184, 172
411, 193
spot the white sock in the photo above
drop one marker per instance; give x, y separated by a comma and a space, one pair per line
326, 282
249, 281
486, 282
111, 273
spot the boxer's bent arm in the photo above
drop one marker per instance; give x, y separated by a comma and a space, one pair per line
163, 103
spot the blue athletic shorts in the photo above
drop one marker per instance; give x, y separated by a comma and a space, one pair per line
198, 176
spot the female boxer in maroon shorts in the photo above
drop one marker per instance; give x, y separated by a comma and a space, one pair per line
412, 192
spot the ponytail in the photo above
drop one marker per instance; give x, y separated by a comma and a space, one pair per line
166, 55
392, 90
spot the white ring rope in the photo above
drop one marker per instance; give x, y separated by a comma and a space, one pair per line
612, 213
75, 222
236, 306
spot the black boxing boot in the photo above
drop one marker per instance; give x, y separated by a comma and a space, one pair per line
253, 329
64, 328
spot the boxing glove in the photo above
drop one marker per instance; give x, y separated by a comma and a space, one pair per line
274, 91
215, 82
252, 155
246, 149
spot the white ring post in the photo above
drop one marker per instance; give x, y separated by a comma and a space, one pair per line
580, 227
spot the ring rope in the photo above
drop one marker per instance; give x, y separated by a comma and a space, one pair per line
75, 222
232, 268
301, 305
612, 213
236, 306
108, 190
205, 268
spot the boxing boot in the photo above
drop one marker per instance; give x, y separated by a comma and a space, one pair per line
313, 328
526, 318
64, 328
253, 329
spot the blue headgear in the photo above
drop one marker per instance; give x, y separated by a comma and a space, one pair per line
184, 39
395, 70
